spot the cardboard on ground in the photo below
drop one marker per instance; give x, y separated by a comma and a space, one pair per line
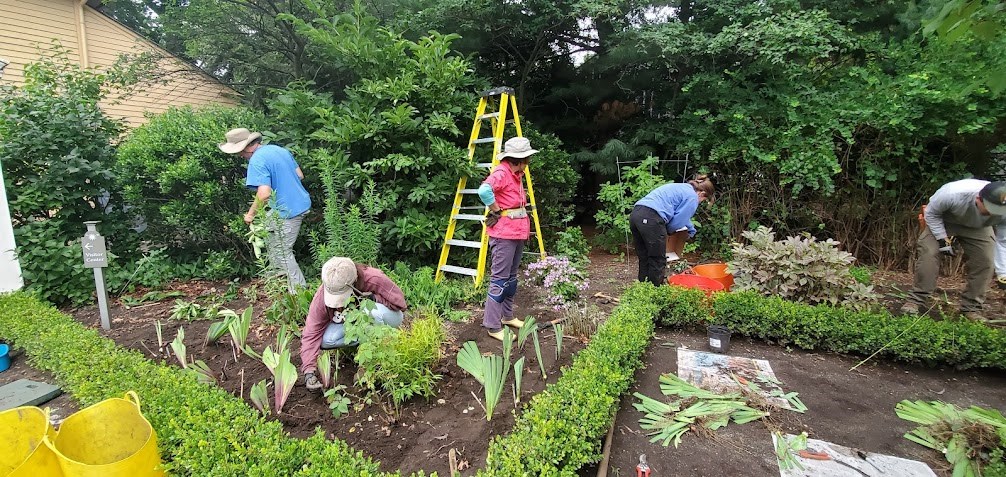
844, 462
715, 372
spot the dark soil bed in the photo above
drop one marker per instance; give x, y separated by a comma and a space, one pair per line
418, 438
851, 408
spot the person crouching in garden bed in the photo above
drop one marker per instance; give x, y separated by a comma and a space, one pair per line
343, 284
661, 222
508, 227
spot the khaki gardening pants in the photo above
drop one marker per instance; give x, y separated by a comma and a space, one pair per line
979, 252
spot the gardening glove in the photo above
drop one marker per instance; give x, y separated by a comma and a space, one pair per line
946, 248
1001, 281
311, 382
493, 218
339, 317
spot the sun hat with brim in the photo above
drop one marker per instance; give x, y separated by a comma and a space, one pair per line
516, 147
994, 197
337, 278
237, 140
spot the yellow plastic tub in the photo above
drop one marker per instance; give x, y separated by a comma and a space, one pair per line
108, 439
23, 452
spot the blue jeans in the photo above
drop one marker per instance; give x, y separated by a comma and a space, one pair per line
382, 315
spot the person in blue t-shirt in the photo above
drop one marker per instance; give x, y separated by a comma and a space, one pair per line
661, 222
272, 169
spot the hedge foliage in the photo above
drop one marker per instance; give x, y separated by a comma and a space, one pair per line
962, 344
562, 427
202, 430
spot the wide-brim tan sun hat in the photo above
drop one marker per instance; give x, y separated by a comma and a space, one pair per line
337, 278
516, 147
237, 140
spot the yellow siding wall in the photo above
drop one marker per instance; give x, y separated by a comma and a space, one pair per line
26, 25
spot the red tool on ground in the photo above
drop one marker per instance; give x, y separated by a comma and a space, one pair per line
643, 469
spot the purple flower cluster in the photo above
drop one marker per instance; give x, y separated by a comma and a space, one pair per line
559, 278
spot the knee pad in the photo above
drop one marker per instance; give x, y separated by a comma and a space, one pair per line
497, 289
510, 288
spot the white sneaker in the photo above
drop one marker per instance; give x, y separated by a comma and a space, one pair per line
671, 257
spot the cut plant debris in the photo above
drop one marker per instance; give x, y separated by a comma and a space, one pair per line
970, 439
691, 408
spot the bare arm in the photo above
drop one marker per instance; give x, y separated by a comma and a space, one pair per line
262, 195
300, 173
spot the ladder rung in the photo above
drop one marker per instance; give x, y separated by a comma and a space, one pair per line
469, 191
461, 270
484, 140
485, 165
472, 207
465, 243
479, 218
490, 115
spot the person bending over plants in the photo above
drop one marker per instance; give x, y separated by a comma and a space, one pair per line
508, 227
661, 222
973, 211
343, 285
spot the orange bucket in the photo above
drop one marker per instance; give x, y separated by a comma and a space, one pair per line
716, 271
695, 281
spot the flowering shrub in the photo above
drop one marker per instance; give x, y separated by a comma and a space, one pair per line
562, 280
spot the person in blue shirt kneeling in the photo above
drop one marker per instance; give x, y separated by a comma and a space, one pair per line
661, 222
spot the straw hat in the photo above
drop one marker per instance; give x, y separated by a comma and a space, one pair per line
237, 140
516, 147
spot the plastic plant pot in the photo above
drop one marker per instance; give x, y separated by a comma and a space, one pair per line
4, 357
716, 271
719, 338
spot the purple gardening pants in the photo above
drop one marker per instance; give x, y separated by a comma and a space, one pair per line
506, 255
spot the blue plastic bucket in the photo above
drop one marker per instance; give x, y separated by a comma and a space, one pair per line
4, 357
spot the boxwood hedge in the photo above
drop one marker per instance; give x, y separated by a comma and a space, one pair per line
202, 430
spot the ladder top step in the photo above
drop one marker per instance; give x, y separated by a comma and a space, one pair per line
465, 243
471, 272
498, 91
484, 140
479, 218
469, 191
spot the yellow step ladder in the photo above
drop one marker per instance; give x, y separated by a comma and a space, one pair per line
496, 106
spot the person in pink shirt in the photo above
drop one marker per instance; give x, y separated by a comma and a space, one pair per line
508, 227
341, 280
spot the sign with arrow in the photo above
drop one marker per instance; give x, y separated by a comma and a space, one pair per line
95, 255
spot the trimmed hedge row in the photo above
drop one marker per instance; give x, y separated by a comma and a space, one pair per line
962, 344
562, 427
202, 430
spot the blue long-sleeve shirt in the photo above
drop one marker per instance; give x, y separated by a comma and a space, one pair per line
675, 203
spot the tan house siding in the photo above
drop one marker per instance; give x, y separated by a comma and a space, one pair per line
26, 26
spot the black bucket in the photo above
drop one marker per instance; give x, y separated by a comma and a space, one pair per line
719, 338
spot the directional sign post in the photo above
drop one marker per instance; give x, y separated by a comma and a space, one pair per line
96, 257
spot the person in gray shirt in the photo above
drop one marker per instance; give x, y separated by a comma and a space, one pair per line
973, 212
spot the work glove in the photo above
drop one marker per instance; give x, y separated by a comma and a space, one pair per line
493, 218
946, 248
1001, 281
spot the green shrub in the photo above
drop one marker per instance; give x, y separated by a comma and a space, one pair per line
962, 344
862, 274
58, 160
401, 363
189, 193
423, 292
562, 427
202, 430
349, 230
617, 200
571, 243
798, 268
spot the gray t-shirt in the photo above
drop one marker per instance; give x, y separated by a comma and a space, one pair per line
954, 203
